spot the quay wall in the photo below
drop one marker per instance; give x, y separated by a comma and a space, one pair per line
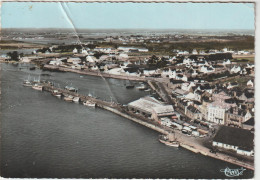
151, 126
182, 144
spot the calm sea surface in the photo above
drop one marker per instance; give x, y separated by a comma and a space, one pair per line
44, 137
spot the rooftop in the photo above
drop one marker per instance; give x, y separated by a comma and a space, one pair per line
242, 138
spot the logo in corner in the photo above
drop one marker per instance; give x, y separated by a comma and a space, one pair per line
233, 172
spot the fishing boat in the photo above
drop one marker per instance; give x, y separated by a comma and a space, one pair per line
27, 83
70, 88
147, 90
169, 140
68, 98
76, 99
89, 103
37, 87
56, 93
141, 87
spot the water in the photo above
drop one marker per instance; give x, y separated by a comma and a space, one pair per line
24, 51
44, 137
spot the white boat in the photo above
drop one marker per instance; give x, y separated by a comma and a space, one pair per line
37, 87
68, 98
76, 99
89, 103
141, 87
56, 93
169, 140
71, 88
27, 83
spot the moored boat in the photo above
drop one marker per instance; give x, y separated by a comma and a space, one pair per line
37, 87
141, 87
76, 99
68, 98
56, 93
89, 103
71, 88
27, 83
169, 140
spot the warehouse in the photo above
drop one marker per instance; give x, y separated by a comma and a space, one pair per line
152, 108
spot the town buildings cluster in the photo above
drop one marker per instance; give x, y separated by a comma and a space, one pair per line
192, 78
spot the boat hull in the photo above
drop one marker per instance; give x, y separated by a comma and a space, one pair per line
172, 144
39, 88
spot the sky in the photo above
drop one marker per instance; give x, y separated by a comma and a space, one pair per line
128, 15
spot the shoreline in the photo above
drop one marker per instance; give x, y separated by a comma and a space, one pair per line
185, 142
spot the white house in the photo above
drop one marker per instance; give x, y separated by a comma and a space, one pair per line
250, 83
194, 51
216, 114
169, 73
188, 61
235, 69
143, 50
91, 59
84, 51
182, 53
227, 62
149, 72
75, 51
116, 71
25, 59
187, 86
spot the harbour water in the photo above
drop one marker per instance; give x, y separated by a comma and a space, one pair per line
44, 137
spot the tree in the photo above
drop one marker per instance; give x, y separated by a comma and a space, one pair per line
14, 55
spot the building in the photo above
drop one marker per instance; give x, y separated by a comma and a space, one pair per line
249, 124
192, 112
250, 83
151, 108
239, 140
75, 51
236, 116
217, 111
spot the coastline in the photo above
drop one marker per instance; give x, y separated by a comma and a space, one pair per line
185, 142
189, 143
